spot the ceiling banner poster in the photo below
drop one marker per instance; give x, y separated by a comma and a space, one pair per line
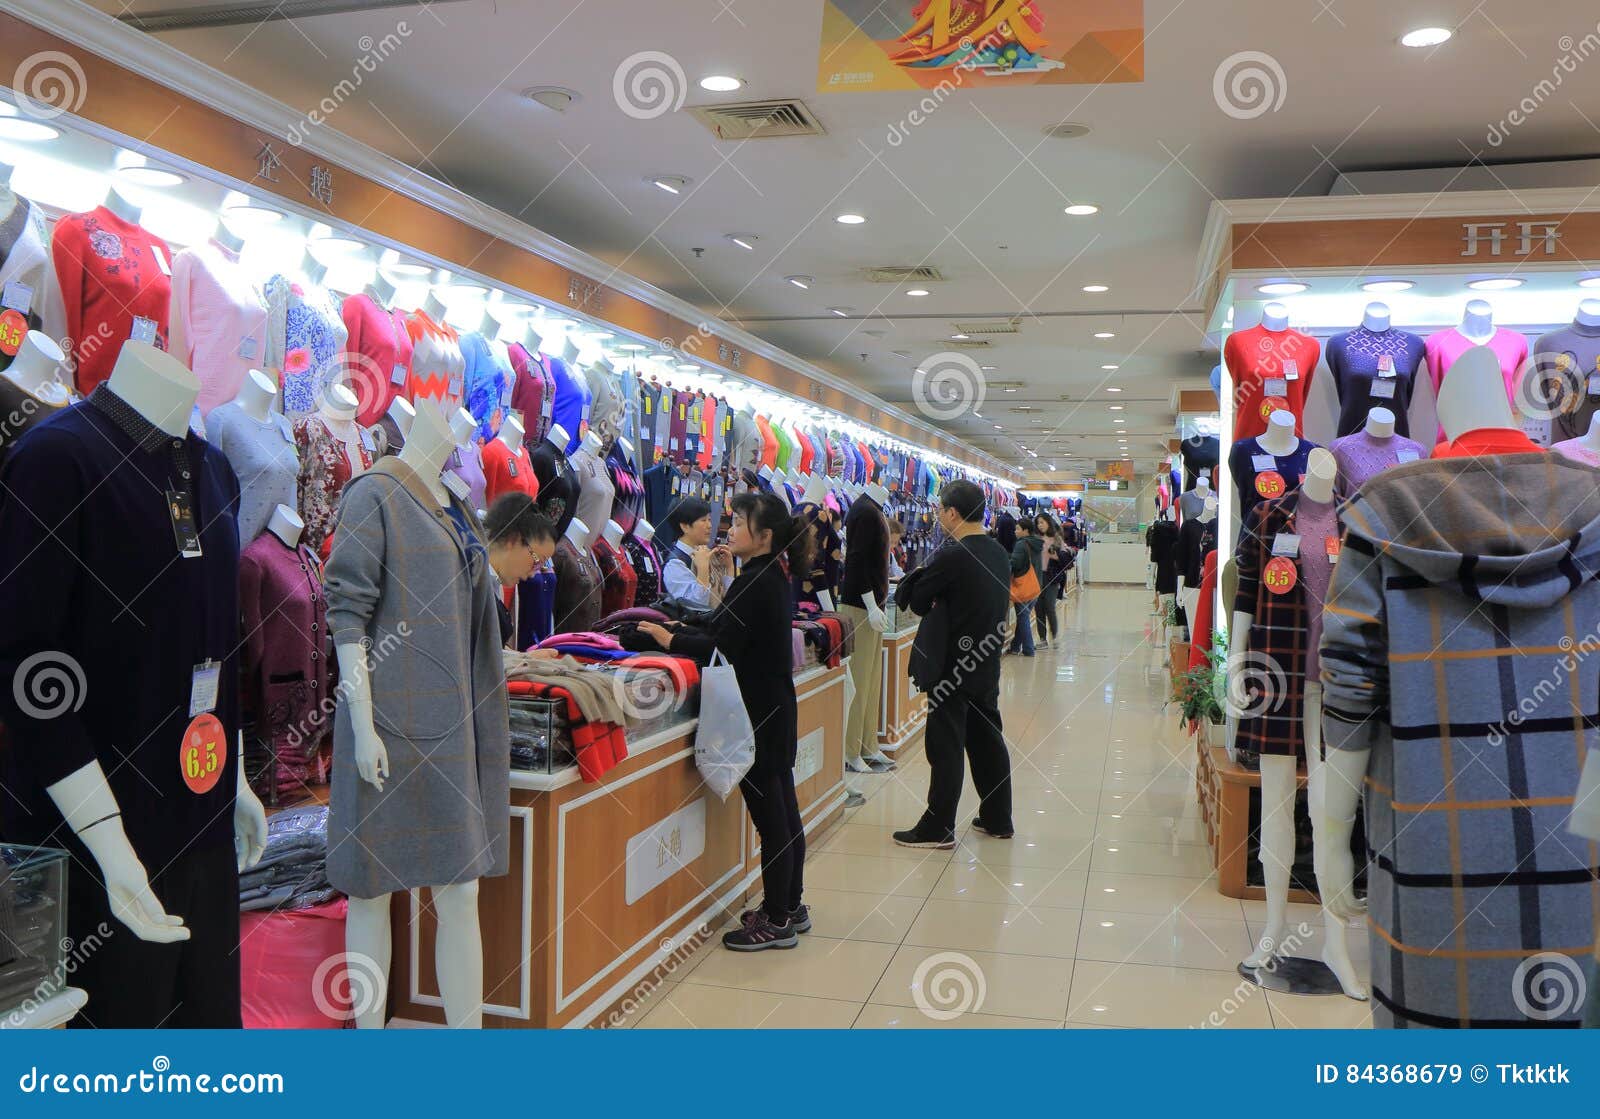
984, 44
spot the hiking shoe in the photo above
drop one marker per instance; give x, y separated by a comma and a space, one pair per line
757, 933
978, 825
916, 837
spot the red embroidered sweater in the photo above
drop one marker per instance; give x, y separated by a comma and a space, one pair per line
111, 272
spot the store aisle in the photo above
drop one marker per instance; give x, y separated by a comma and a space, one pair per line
1103, 910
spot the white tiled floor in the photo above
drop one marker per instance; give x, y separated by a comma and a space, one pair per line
1102, 912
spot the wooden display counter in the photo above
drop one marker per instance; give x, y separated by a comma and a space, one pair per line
613, 884
1226, 790
902, 710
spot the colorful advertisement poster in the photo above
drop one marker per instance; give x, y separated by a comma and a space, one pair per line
982, 44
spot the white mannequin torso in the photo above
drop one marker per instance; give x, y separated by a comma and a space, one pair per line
462, 426
645, 531
338, 414
403, 414
1473, 396
1380, 423
511, 434
569, 354
1279, 439
36, 366
434, 309
578, 534
613, 534
558, 438
119, 204
157, 385
1275, 317
1588, 313
428, 444
381, 290
1477, 323
1376, 318
256, 394
286, 525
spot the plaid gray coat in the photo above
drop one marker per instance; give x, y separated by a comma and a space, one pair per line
1461, 646
401, 580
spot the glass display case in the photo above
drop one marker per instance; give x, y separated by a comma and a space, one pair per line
33, 924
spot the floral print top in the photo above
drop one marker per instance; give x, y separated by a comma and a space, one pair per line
306, 337
325, 468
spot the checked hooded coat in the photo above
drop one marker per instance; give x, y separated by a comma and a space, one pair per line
1461, 647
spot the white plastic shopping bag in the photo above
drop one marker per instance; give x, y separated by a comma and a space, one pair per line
725, 742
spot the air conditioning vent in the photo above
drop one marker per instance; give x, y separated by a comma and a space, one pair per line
904, 274
988, 326
968, 343
759, 120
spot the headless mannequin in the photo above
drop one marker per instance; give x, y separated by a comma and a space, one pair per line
1275, 317
1588, 313
1477, 323
511, 434
1376, 317
403, 414
35, 367
816, 490
1278, 791
558, 438
433, 308
458, 951
876, 491
256, 395
569, 353
488, 325
462, 425
531, 340
1279, 439
645, 531
286, 525
613, 535
313, 270
875, 616
1465, 402
578, 535
591, 446
381, 290
119, 204
160, 389
1203, 485
227, 238
338, 414
1380, 424
1188, 596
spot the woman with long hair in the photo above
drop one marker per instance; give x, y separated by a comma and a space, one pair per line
1050, 583
752, 629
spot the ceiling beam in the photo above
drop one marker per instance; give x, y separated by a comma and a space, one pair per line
255, 11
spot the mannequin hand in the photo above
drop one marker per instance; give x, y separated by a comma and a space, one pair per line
372, 758
656, 633
875, 617
128, 887
249, 824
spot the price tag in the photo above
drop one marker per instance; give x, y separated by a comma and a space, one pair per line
1407, 455
1271, 484
455, 485
1280, 575
1537, 430
676, 485
649, 405
285, 429
1594, 383
247, 348
181, 510
398, 375
161, 260
201, 753
1291, 369
366, 441
647, 562
1386, 365
1263, 462
1382, 389
1286, 544
1277, 387
16, 296
455, 385
144, 330
511, 465
13, 329
203, 688
1333, 545
1268, 407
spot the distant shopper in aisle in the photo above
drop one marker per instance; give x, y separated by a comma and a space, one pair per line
520, 538
1028, 552
692, 568
1054, 550
962, 593
751, 628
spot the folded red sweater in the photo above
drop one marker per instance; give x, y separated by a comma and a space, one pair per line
601, 747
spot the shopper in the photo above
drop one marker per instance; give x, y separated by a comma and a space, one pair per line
1028, 552
692, 568
968, 582
751, 628
1055, 570
520, 539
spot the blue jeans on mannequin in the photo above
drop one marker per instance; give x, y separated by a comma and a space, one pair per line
1022, 640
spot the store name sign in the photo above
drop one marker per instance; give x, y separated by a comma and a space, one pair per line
584, 294
1531, 237
664, 848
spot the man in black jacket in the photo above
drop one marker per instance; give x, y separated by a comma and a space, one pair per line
967, 583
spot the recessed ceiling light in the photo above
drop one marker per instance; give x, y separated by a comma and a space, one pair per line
801, 282
1116, 407
1108, 368
721, 83
1426, 37
743, 240
147, 176
1082, 209
918, 291
850, 219
266, 215
992, 368
1382, 286
672, 184
1011, 388
840, 311
1119, 421
997, 427
1502, 283
633, 347
1282, 287
1589, 282
556, 98
959, 337
350, 244
15, 128
1103, 334
686, 367
1113, 388
1095, 289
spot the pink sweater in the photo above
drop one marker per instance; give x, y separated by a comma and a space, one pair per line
217, 322
1445, 348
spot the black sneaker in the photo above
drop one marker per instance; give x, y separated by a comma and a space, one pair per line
916, 837
799, 918
757, 933
978, 825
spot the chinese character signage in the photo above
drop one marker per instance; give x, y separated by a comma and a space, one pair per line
980, 44
1527, 238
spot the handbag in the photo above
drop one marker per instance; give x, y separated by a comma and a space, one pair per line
725, 740
1025, 587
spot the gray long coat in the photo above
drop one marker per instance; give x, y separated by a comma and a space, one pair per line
401, 580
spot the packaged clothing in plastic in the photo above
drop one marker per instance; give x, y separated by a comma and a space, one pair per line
292, 972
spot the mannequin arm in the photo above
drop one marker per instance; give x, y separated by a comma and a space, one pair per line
90, 810
249, 819
355, 681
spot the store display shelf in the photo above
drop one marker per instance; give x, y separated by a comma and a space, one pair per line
1226, 792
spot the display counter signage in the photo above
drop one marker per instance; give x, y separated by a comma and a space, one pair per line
808, 757
1280, 246
946, 45
664, 848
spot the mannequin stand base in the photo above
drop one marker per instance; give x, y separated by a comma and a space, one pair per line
1294, 975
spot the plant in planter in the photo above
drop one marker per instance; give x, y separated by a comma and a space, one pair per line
1200, 691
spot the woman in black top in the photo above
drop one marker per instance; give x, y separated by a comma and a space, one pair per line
752, 629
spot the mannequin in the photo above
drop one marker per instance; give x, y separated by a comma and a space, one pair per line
511, 434
1194, 542
333, 449
1588, 313
1446, 349
1585, 448
557, 436
392, 427
1380, 423
595, 488
863, 591
459, 948
1271, 368
1192, 502
107, 802
119, 204
1477, 322
286, 525
1372, 450
431, 307
569, 353
1278, 771
338, 412
1279, 439
381, 290
645, 531
464, 474
1467, 401
227, 238
1570, 357
613, 534
35, 369
1376, 317
1275, 317
256, 395
315, 272
260, 444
